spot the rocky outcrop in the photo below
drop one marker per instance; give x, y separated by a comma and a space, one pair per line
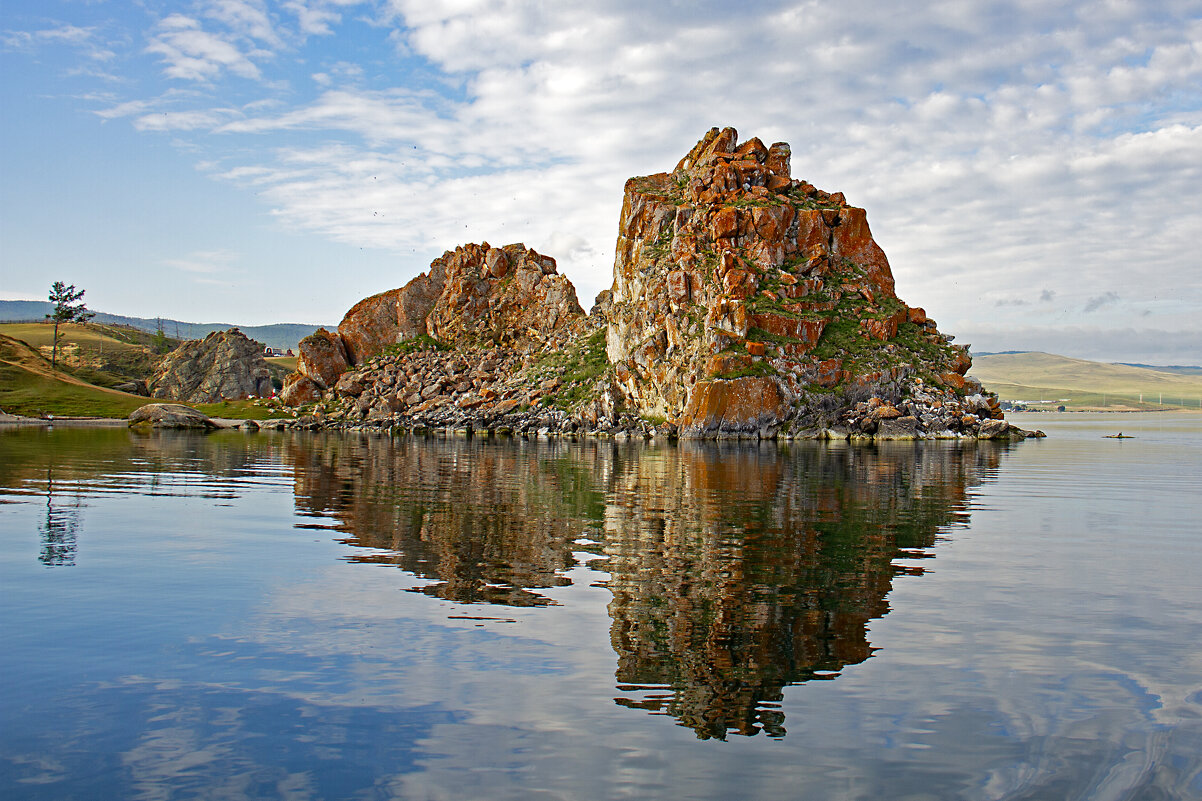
225, 365
169, 415
745, 300
134, 388
472, 297
322, 360
503, 296
322, 357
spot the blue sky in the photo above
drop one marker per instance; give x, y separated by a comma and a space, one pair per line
1030, 168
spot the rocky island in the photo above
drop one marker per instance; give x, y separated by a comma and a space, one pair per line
745, 304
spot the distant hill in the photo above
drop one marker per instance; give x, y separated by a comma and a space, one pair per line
1182, 369
278, 335
1034, 376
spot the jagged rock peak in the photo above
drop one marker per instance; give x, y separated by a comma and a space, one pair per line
718, 165
225, 365
740, 293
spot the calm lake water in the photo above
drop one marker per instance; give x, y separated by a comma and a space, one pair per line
312, 616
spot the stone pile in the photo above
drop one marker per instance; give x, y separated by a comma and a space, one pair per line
930, 415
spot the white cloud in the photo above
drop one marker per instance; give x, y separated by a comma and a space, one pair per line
248, 18
204, 262
125, 109
62, 34
83, 38
192, 54
182, 120
313, 18
964, 140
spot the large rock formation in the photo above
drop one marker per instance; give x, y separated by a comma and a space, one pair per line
745, 303
225, 365
474, 296
744, 298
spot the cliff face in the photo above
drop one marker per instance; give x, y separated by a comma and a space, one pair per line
743, 297
225, 365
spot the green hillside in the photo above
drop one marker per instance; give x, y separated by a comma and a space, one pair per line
1078, 383
29, 387
104, 355
278, 335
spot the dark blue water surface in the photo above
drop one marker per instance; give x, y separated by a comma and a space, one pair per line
310, 616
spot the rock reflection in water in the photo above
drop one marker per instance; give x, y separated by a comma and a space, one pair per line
489, 522
738, 571
735, 571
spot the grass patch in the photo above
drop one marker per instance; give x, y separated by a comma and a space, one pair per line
91, 334
29, 387
35, 394
755, 369
288, 363
1080, 375
578, 369
417, 343
99, 354
914, 339
236, 409
1048, 398
760, 335
841, 337
754, 202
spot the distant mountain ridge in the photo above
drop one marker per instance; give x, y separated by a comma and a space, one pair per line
1190, 369
277, 335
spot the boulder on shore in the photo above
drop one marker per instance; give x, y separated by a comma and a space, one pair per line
170, 415
322, 359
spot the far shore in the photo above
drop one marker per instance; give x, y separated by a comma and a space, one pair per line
92, 422
1167, 409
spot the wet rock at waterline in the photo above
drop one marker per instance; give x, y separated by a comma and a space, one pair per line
169, 415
